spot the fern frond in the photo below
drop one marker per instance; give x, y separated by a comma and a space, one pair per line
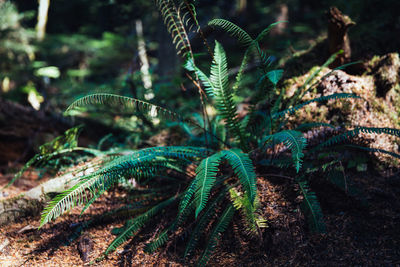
206, 174
122, 102
346, 136
95, 196
94, 182
187, 196
219, 228
239, 75
187, 11
315, 73
312, 208
208, 86
233, 30
208, 214
148, 167
294, 141
175, 26
252, 220
280, 162
244, 169
322, 167
318, 99
135, 224
224, 95
160, 240
274, 76
264, 32
179, 152
65, 201
376, 150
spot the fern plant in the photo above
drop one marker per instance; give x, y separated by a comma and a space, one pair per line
224, 185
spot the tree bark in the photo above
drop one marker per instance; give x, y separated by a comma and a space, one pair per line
43, 11
337, 36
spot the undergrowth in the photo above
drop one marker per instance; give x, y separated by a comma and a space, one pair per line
226, 148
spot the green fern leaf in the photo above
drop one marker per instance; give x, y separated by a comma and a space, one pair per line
187, 10
232, 29
135, 224
274, 76
312, 208
174, 22
294, 141
122, 102
187, 196
94, 182
65, 201
206, 176
239, 75
376, 150
224, 95
355, 132
244, 169
301, 92
160, 240
208, 86
264, 32
208, 214
252, 220
219, 228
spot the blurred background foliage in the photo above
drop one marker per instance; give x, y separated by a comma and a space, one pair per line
92, 46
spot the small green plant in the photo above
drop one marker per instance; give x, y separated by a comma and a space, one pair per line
224, 186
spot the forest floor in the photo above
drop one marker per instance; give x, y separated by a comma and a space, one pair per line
358, 233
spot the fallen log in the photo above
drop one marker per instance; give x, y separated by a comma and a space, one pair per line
31, 202
22, 129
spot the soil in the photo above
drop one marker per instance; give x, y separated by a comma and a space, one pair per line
361, 231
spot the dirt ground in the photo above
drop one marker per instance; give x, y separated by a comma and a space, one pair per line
358, 233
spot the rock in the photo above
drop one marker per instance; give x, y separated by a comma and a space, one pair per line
85, 247
386, 72
370, 111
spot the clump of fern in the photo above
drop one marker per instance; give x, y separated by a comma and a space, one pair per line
224, 185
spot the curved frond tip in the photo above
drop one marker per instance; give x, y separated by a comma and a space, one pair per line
233, 30
122, 103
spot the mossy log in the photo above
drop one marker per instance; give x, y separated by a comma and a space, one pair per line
31, 202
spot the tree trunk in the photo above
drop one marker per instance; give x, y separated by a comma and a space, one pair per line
337, 36
43, 11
